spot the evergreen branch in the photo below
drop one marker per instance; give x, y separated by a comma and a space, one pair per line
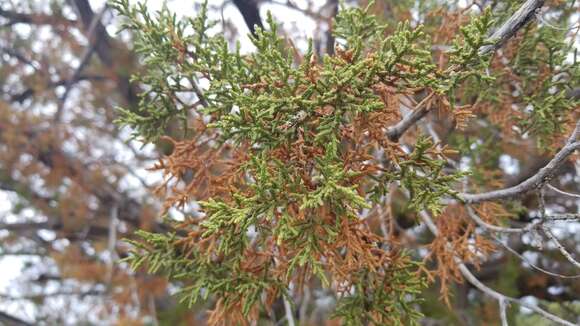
297, 123
497, 39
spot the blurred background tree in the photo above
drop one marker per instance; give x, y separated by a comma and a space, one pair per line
73, 184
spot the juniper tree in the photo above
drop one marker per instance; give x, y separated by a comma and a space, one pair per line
295, 159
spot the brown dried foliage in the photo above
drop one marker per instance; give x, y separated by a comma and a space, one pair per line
457, 242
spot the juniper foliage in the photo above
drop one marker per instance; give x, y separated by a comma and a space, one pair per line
313, 156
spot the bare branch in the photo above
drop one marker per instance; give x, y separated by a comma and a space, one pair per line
575, 134
307, 12
106, 51
536, 181
329, 37
6, 319
153, 310
518, 20
18, 56
485, 289
426, 218
198, 92
112, 243
22, 253
560, 247
34, 297
26, 94
14, 17
29, 226
84, 60
563, 217
573, 93
251, 13
502, 313
305, 300
395, 132
289, 314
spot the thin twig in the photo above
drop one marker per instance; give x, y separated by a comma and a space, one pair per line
540, 18
35, 297
536, 267
20, 57
563, 217
426, 218
560, 247
562, 192
485, 289
198, 92
84, 61
112, 244
293, 6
